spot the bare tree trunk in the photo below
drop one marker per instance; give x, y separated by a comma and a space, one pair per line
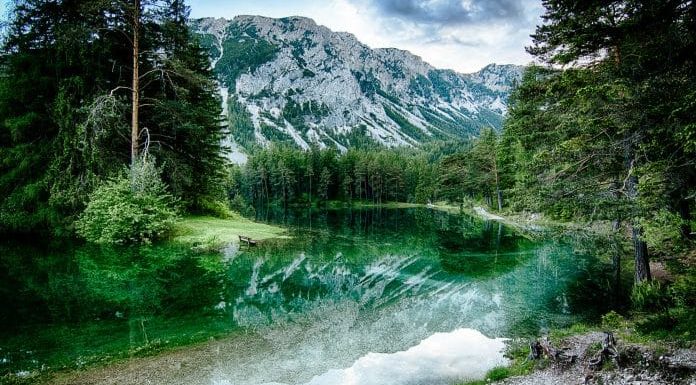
135, 130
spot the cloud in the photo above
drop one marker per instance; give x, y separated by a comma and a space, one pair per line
464, 35
451, 12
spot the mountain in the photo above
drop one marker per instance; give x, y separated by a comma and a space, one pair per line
293, 81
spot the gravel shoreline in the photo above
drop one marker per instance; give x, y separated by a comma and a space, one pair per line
639, 365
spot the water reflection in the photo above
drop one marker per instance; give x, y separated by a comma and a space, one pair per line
348, 283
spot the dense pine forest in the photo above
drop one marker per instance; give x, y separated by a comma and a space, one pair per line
93, 90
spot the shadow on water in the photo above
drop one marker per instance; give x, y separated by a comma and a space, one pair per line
348, 282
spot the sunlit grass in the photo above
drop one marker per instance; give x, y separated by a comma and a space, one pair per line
210, 232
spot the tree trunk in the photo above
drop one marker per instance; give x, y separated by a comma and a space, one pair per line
685, 214
497, 183
641, 256
642, 269
135, 130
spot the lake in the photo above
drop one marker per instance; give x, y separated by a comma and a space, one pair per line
369, 296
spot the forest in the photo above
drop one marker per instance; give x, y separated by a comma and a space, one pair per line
105, 102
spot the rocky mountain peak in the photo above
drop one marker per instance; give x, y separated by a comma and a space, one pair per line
293, 81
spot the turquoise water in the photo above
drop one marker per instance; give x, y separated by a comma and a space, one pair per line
346, 294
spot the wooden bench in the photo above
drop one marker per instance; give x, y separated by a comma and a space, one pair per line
247, 240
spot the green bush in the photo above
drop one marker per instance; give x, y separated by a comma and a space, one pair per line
649, 296
498, 373
613, 320
133, 208
683, 290
214, 207
662, 231
239, 205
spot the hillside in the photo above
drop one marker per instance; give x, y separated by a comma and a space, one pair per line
290, 80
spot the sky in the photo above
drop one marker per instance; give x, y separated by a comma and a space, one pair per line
463, 35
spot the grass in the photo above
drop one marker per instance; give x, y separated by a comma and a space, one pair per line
517, 351
209, 232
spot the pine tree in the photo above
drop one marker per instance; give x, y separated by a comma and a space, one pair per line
606, 126
67, 79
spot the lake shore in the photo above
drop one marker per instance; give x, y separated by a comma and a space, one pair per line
206, 232
637, 362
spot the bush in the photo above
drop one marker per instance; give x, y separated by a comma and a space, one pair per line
683, 290
649, 296
133, 208
214, 207
662, 231
613, 320
239, 205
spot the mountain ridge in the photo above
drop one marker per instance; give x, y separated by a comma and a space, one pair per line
293, 81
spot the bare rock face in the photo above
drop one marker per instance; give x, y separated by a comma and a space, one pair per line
292, 81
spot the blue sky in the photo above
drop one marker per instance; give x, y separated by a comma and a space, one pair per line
463, 35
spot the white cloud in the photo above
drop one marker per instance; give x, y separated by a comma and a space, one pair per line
465, 45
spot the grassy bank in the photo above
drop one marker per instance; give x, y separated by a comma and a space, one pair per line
210, 232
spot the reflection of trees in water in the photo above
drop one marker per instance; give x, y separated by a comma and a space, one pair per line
158, 291
480, 248
74, 284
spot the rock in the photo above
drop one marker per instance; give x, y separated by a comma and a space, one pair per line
309, 85
684, 359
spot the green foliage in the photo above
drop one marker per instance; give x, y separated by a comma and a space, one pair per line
610, 137
498, 374
474, 172
133, 208
674, 324
683, 290
407, 127
214, 207
65, 108
209, 43
613, 320
288, 175
240, 124
662, 231
239, 205
649, 296
440, 83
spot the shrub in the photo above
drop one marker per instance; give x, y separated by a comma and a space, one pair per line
663, 231
648, 296
239, 205
683, 290
214, 207
133, 208
613, 320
